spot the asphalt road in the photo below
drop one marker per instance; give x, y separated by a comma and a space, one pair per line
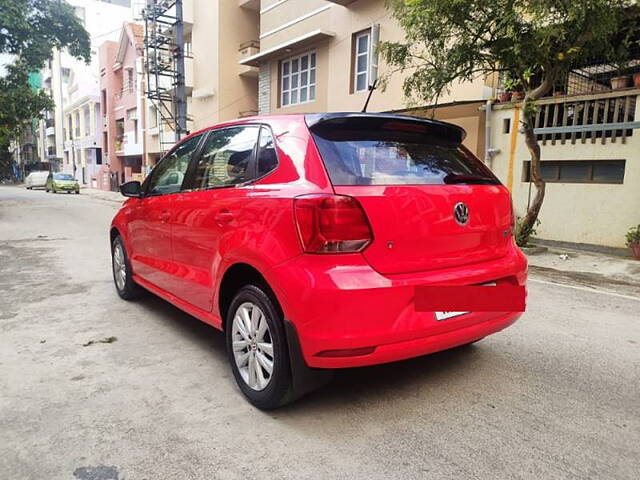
556, 396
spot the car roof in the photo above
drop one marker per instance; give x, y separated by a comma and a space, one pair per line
310, 119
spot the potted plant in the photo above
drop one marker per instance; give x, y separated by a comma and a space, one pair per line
620, 82
517, 95
510, 85
504, 96
633, 241
636, 79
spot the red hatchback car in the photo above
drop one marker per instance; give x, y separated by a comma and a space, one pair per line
306, 238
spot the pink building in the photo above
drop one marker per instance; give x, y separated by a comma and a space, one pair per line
121, 106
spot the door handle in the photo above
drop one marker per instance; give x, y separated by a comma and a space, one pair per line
164, 216
223, 217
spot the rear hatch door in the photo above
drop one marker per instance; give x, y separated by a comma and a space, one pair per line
430, 202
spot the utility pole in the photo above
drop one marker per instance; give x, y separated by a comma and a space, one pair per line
73, 153
60, 81
181, 95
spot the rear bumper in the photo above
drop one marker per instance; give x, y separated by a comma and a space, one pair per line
348, 315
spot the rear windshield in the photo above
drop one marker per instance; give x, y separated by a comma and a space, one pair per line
395, 153
62, 176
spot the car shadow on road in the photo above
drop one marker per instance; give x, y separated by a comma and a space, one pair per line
363, 385
366, 386
186, 326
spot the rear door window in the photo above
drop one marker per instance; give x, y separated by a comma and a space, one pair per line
226, 157
376, 151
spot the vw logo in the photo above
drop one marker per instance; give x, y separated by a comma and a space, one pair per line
461, 213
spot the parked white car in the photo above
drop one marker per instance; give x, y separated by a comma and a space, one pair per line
36, 179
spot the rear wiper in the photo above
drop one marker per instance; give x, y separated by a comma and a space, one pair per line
453, 178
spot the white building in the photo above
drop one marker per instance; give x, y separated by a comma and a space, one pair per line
71, 135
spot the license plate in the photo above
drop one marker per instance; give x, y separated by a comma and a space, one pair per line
446, 315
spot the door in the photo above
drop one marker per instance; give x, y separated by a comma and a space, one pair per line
210, 215
150, 224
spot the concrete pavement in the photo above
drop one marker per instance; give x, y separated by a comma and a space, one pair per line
553, 397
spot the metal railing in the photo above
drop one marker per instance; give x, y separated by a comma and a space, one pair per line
593, 117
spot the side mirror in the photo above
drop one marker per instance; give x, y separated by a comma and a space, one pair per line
131, 189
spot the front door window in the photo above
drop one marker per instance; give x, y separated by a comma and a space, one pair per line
168, 175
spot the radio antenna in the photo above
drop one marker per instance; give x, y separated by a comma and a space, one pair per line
372, 87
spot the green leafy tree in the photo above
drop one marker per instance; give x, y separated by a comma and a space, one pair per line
534, 43
29, 32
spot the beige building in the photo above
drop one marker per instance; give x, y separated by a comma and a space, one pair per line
592, 171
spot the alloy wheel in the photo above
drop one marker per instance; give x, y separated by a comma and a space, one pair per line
252, 346
119, 266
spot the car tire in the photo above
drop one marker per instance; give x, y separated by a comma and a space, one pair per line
46, 190
121, 268
54, 190
77, 192
262, 345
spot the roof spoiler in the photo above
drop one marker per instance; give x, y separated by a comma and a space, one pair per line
318, 121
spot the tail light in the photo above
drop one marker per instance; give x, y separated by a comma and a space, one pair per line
331, 224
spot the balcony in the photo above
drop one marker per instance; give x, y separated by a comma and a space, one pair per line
49, 122
303, 41
601, 117
246, 50
594, 103
50, 131
126, 89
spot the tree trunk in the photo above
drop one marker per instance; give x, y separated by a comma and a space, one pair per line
527, 225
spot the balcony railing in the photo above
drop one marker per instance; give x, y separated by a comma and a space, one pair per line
126, 89
609, 115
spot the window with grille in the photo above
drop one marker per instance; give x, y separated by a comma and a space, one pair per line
578, 171
298, 79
